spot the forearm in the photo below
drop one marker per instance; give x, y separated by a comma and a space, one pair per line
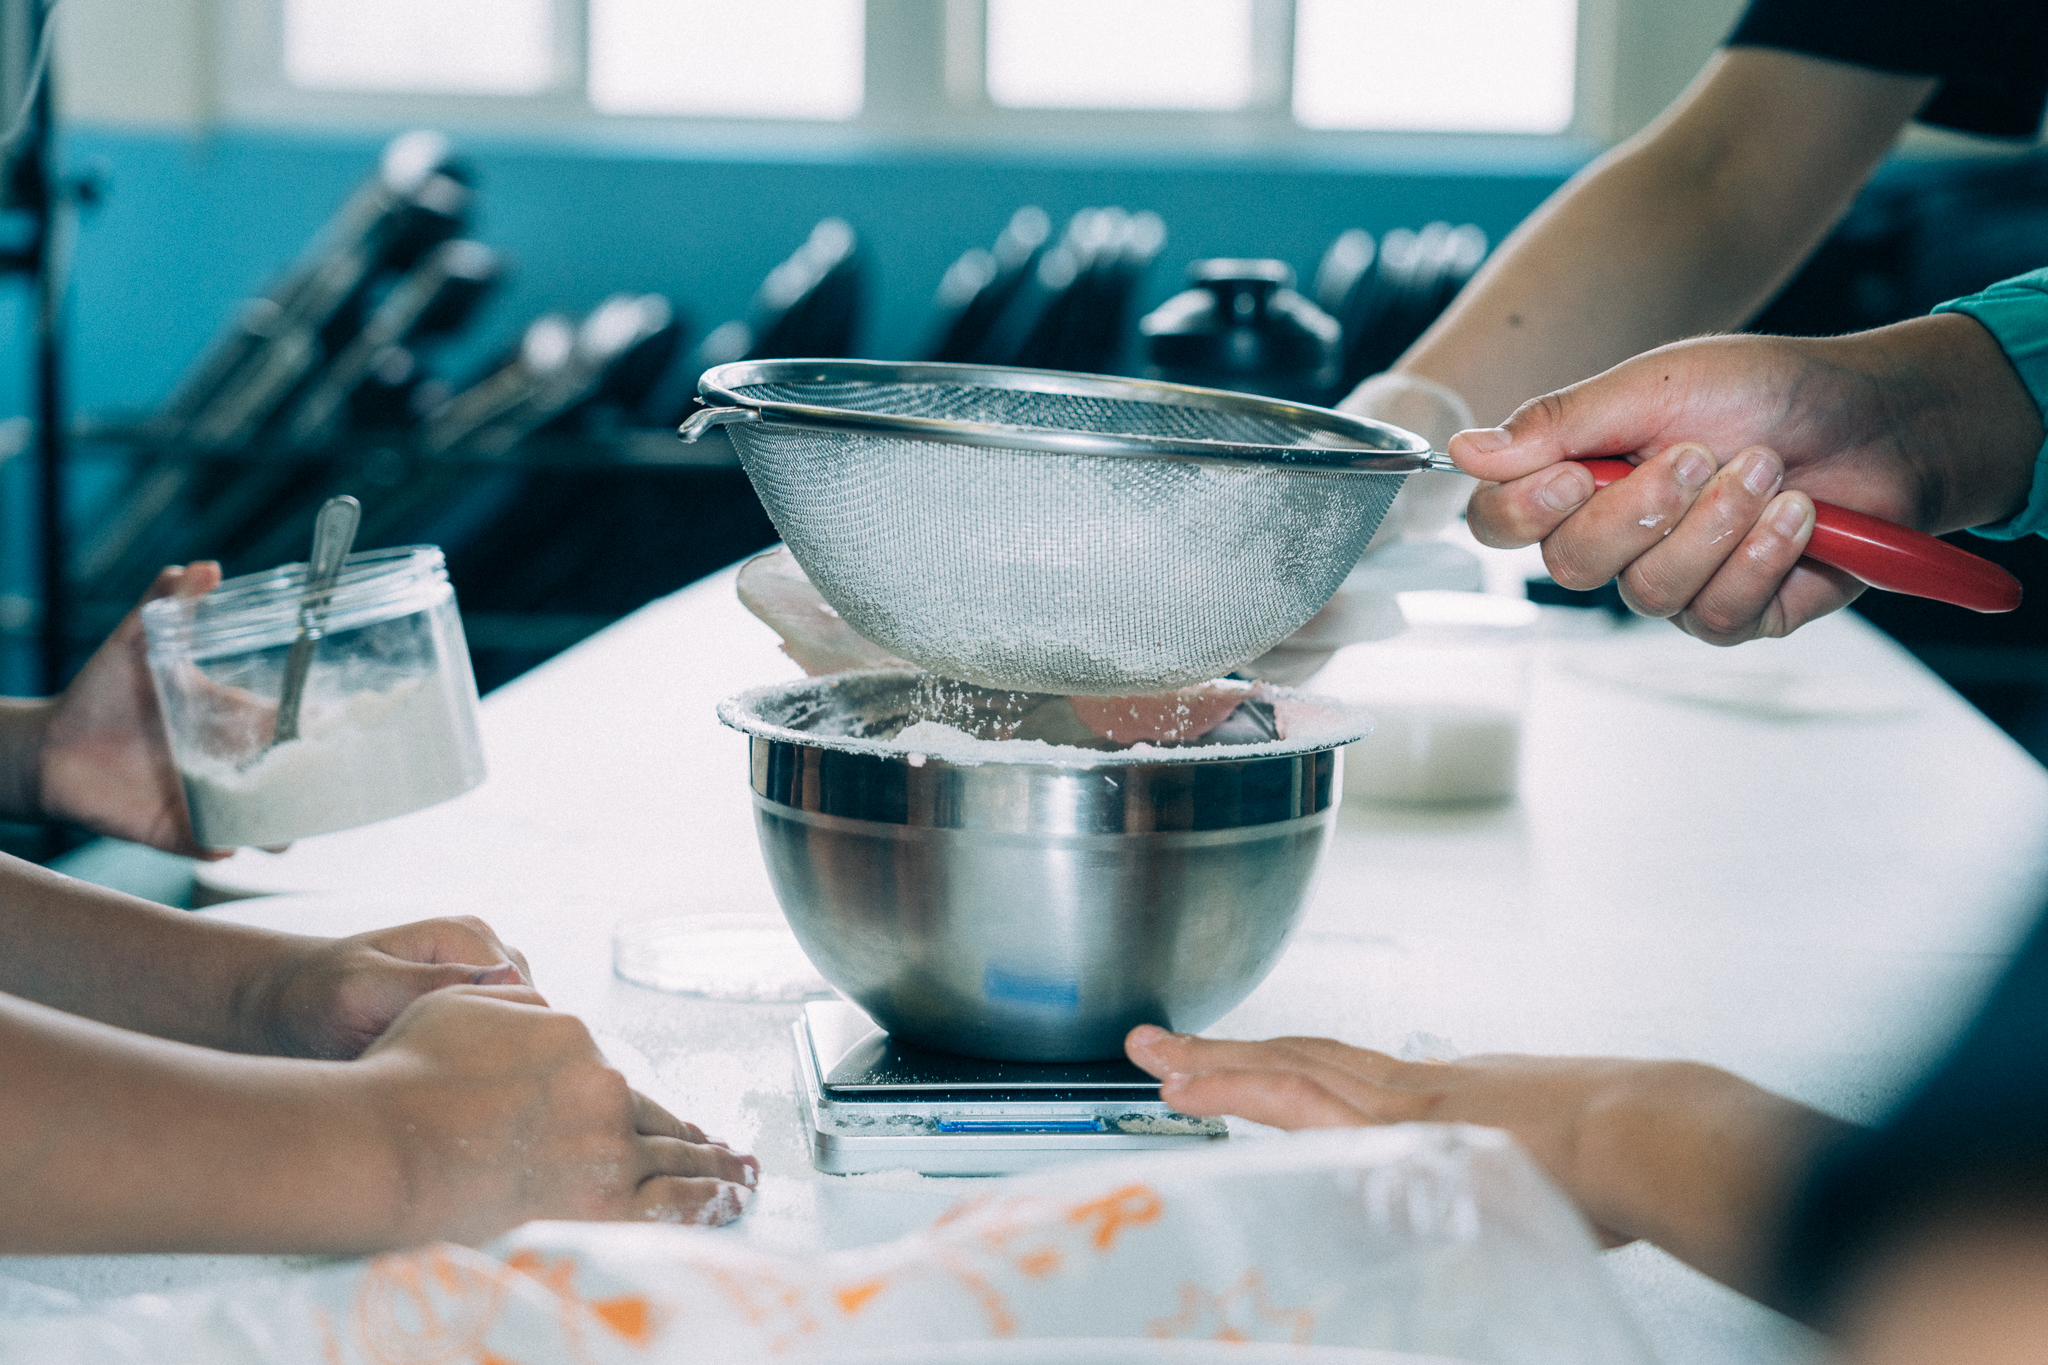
111, 1142
1699, 1162
127, 962
1688, 228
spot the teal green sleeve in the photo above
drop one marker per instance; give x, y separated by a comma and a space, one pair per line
2015, 312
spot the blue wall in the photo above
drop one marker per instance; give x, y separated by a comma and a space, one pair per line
191, 225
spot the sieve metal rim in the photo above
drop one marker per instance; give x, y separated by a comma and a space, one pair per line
1360, 445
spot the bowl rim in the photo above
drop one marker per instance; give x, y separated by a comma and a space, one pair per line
1342, 723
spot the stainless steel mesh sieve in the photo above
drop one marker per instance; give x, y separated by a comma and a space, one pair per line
1052, 532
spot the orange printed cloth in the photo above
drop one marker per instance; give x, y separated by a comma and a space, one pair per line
1424, 1241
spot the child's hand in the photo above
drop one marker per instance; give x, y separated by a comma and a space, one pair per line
500, 1110
104, 761
334, 997
1687, 1156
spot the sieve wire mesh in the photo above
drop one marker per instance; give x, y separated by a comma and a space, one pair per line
1047, 572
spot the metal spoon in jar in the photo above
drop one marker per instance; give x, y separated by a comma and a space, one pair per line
334, 532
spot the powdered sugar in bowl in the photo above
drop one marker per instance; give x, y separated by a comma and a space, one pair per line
388, 721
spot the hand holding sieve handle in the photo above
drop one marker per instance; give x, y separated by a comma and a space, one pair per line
1885, 555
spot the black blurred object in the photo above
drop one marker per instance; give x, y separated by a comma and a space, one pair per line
1345, 266
979, 286
809, 305
614, 353
1384, 299
437, 297
1922, 234
559, 507
419, 198
1242, 327
1548, 592
1071, 309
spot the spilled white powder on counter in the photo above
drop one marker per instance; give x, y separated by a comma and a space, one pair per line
376, 755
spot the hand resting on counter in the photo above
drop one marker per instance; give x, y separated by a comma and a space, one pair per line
133, 1117
1686, 1156
1923, 423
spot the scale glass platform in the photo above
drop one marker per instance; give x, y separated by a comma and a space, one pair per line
873, 1104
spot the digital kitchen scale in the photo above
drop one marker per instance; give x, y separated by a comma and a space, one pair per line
874, 1104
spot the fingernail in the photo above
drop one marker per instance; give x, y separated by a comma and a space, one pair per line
1763, 473
1566, 488
1694, 467
496, 976
1788, 518
1489, 439
1145, 1035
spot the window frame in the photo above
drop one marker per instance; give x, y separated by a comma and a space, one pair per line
924, 79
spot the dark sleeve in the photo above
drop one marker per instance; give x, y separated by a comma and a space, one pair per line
1991, 56
1970, 1142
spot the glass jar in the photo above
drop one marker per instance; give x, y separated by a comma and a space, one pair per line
387, 722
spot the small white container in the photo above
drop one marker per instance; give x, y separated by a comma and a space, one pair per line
1446, 696
388, 720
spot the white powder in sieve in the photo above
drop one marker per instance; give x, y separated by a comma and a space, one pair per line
376, 755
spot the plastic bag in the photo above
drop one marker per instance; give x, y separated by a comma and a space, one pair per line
1435, 1241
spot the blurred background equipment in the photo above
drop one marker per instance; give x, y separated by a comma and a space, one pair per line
981, 285
418, 198
808, 305
551, 476
564, 448
1243, 327
1074, 311
1386, 298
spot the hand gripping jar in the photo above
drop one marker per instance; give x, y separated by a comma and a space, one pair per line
387, 722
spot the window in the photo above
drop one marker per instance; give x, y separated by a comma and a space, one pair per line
781, 59
1493, 66
1119, 54
1249, 70
494, 47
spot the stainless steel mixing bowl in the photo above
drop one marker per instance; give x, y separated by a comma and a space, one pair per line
1028, 911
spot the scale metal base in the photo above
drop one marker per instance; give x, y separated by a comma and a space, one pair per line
872, 1104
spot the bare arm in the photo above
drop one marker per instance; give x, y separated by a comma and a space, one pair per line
479, 1110
1689, 1157
1689, 227
114, 958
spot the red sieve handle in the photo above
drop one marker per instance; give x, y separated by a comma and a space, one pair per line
1885, 554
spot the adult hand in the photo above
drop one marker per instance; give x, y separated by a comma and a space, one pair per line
332, 998
1687, 1156
1923, 423
103, 760
499, 1110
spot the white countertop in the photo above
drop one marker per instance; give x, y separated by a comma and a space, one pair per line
1812, 902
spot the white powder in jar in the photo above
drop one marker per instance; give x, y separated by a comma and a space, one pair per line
376, 755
